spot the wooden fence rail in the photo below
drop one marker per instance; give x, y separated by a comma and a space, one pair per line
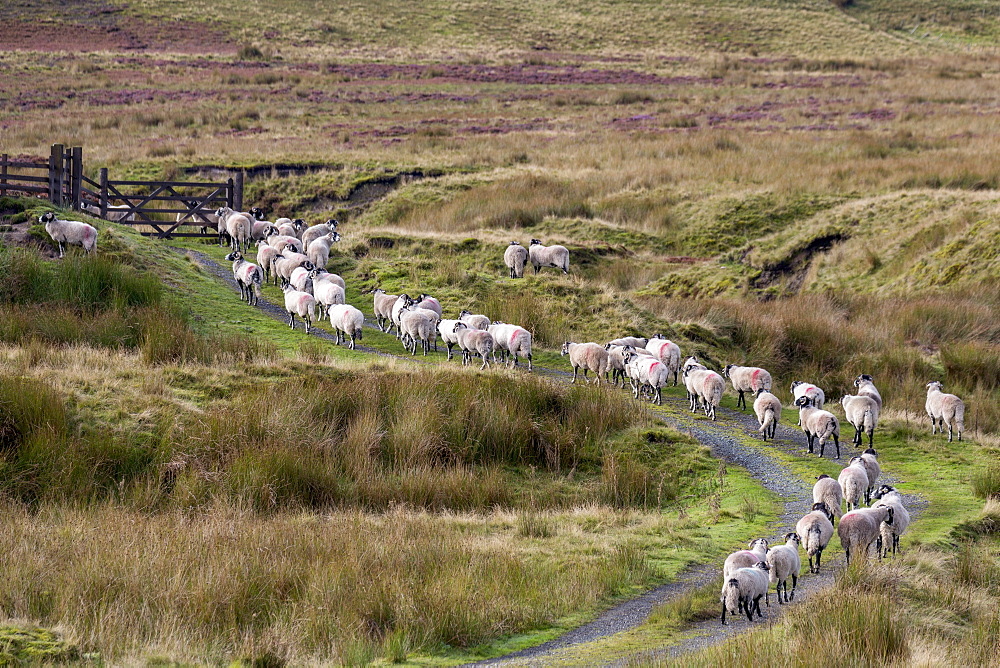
161, 208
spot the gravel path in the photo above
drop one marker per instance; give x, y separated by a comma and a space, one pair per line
727, 439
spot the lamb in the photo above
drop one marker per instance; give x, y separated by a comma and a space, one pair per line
300, 304
815, 530
348, 321
747, 379
830, 493
708, 387
514, 257
767, 408
784, 561
327, 294
890, 533
818, 424
743, 591
866, 388
283, 241
446, 328
667, 352
117, 213
473, 342
511, 340
862, 413
636, 342
238, 227
71, 232
248, 276
317, 231
402, 301
744, 558
616, 362
474, 321
417, 324
860, 528
586, 356
318, 249
266, 255
802, 389
383, 308
853, 481
872, 468
944, 409
646, 372
548, 256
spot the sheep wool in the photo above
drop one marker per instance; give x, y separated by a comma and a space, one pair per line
474, 342
862, 413
818, 425
515, 258
853, 482
383, 309
300, 304
310, 234
248, 277
815, 531
743, 591
586, 356
473, 320
890, 533
757, 551
866, 388
944, 409
348, 321
784, 562
830, 493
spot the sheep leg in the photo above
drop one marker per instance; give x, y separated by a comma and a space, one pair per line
573, 382
822, 445
740, 401
659, 397
836, 441
795, 583
585, 369
291, 320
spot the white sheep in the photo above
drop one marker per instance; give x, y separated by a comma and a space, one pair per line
348, 321
71, 232
586, 356
862, 413
318, 249
756, 551
890, 533
117, 213
473, 342
767, 408
291, 228
207, 219
548, 256
853, 481
323, 275
431, 304
818, 424
402, 301
446, 328
383, 304
511, 340
327, 294
260, 229
301, 280
417, 324
944, 409
784, 562
690, 364
317, 231
815, 530
870, 459
860, 528
742, 592
708, 387
803, 389
238, 227
866, 388
830, 493
283, 241
288, 262
616, 362
266, 255
248, 276
747, 379
474, 320
636, 342
646, 372
300, 304
666, 351
515, 257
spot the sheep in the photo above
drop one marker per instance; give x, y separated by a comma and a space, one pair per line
327, 294
318, 274
266, 255
317, 231
691, 364
708, 387
194, 213
288, 262
944, 409
860, 528
830, 493
475, 321
757, 551
248, 276
815, 530
667, 352
872, 468
383, 308
511, 340
446, 328
646, 372
348, 321
866, 388
238, 227
747, 379
318, 249
586, 356
514, 257
260, 229
767, 408
473, 342
818, 424
417, 324
548, 256
888, 496
283, 241
616, 361
292, 228
862, 413
300, 304
803, 389
301, 281
636, 342
743, 591
431, 304
784, 561
853, 481
71, 232
118, 213
402, 301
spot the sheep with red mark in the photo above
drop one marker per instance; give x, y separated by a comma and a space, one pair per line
667, 352
747, 379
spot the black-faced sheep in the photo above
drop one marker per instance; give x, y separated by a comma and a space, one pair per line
548, 256
747, 379
862, 413
248, 276
71, 232
784, 562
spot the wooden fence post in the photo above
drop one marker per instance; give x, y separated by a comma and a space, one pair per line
76, 176
230, 194
238, 194
104, 192
3, 175
55, 174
